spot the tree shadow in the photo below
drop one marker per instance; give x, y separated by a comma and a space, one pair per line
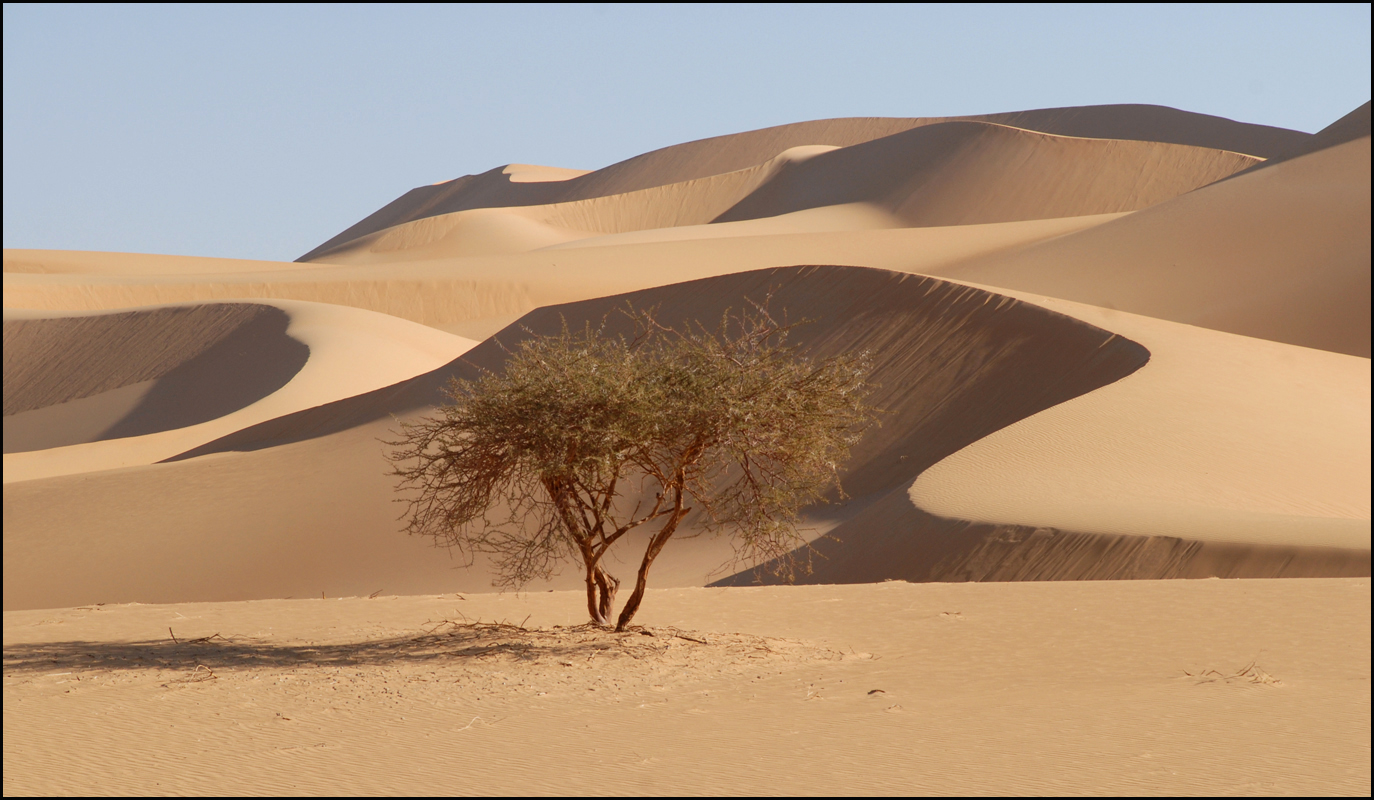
467, 643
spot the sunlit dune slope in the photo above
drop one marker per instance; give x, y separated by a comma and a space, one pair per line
1243, 439
719, 155
475, 296
97, 391
1281, 253
955, 364
126, 265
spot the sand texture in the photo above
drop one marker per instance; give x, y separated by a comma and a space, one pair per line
1115, 348
1257, 687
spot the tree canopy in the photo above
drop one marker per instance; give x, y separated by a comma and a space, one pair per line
584, 437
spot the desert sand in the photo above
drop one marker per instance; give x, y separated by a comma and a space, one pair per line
1120, 351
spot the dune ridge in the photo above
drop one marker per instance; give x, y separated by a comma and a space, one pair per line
478, 295
1348, 128
194, 364
947, 173
111, 390
734, 152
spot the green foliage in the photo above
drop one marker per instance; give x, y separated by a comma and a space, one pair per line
734, 423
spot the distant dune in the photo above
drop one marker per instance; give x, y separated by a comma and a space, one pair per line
735, 152
1280, 254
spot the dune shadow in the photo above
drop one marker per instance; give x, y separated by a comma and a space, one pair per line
255, 360
112, 376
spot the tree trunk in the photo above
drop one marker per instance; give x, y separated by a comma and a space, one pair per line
609, 585
594, 601
655, 547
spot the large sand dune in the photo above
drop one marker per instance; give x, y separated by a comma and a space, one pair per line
734, 152
956, 364
947, 173
1281, 253
1111, 344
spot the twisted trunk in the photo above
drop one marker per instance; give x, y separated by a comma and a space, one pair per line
594, 600
609, 585
655, 547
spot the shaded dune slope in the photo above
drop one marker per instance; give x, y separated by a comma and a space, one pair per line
108, 376
722, 154
1281, 253
188, 374
895, 540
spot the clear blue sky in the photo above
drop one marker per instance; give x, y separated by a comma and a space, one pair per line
261, 131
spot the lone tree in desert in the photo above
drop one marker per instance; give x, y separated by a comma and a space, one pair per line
586, 437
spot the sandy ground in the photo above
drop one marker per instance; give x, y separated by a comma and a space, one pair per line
1103, 687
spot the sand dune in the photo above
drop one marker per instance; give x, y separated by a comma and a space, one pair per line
1287, 463
100, 391
1348, 128
1111, 345
1281, 253
955, 363
950, 173
961, 173
735, 152
477, 296
170, 367
1278, 486
1185, 488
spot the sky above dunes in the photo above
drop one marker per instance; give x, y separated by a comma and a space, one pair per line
259, 132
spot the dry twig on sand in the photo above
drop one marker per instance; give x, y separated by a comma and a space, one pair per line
1250, 673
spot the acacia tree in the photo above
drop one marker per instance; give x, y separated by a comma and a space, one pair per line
531, 465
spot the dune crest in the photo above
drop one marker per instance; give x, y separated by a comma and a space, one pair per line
92, 392
533, 173
734, 152
948, 173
